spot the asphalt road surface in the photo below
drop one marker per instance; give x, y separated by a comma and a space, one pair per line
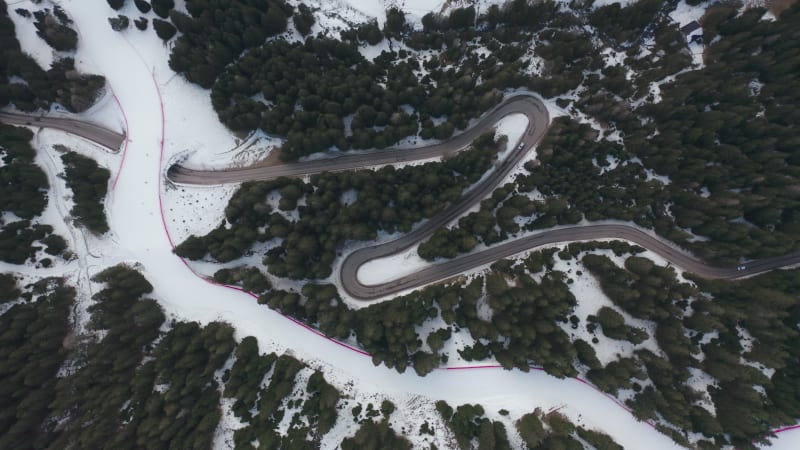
528, 105
95, 133
538, 122
454, 267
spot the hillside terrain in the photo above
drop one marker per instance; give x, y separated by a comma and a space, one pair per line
142, 311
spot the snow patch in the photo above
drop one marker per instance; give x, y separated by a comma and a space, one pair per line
685, 13
29, 41
590, 298
622, 3
392, 267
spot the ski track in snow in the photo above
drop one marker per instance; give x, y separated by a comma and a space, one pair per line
142, 237
125, 145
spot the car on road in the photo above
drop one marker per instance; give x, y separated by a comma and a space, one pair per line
740, 268
521, 146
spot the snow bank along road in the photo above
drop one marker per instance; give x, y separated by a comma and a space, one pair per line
95, 133
538, 121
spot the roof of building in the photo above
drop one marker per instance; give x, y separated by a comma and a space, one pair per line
690, 28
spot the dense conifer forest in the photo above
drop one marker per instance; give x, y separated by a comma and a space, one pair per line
131, 380
732, 166
748, 202
23, 197
89, 183
28, 87
531, 324
707, 161
706, 157
387, 200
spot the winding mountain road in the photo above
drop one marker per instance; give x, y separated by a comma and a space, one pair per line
528, 105
538, 122
454, 267
98, 134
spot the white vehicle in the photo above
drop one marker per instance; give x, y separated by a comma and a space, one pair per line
521, 146
740, 268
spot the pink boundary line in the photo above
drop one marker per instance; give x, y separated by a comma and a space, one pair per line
127, 139
781, 430
334, 340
